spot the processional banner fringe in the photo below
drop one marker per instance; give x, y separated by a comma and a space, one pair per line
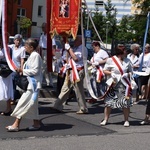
64, 18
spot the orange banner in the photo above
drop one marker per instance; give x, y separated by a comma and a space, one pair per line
64, 18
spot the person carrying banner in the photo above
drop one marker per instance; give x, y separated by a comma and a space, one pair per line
118, 69
74, 79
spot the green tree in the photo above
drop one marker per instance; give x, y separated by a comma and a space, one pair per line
98, 20
131, 29
110, 20
24, 23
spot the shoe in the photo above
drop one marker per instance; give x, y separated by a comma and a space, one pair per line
56, 110
103, 123
82, 112
6, 113
91, 101
32, 128
135, 103
126, 124
49, 85
144, 122
13, 102
12, 129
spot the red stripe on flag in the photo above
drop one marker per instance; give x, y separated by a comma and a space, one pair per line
5, 36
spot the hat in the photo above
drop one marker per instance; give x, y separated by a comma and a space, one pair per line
18, 36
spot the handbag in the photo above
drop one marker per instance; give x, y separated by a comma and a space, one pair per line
22, 82
5, 71
134, 86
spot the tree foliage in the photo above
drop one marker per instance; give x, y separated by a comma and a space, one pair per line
131, 28
144, 5
24, 22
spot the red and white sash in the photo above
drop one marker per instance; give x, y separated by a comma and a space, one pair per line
63, 71
125, 77
74, 76
99, 72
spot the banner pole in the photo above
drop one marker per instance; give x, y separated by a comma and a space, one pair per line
49, 40
145, 38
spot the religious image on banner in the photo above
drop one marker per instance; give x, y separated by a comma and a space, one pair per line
64, 19
64, 8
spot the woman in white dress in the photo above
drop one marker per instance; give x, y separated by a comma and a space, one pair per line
6, 86
27, 105
118, 69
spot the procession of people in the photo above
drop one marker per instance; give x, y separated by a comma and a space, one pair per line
112, 77
116, 74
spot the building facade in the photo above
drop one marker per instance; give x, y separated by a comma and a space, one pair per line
123, 7
38, 17
16, 10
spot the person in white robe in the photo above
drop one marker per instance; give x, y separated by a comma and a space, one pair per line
6, 86
27, 105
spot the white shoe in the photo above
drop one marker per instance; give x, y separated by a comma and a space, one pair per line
82, 111
103, 123
126, 124
144, 122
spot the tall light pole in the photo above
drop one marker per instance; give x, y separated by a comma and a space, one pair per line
107, 23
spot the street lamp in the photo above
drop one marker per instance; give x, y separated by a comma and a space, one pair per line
107, 23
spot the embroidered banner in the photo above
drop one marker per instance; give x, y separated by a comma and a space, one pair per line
64, 18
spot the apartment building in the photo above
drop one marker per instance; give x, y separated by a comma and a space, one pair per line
17, 9
38, 17
123, 6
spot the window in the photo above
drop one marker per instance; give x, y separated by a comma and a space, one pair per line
98, 2
40, 10
19, 2
21, 12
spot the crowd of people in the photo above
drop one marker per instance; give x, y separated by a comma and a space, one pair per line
111, 78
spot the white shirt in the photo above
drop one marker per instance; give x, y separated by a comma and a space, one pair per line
146, 60
134, 60
17, 54
78, 52
110, 65
100, 55
43, 41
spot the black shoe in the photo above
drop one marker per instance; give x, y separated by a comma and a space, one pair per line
32, 128
6, 113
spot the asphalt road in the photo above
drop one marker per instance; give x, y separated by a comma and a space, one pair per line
69, 131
